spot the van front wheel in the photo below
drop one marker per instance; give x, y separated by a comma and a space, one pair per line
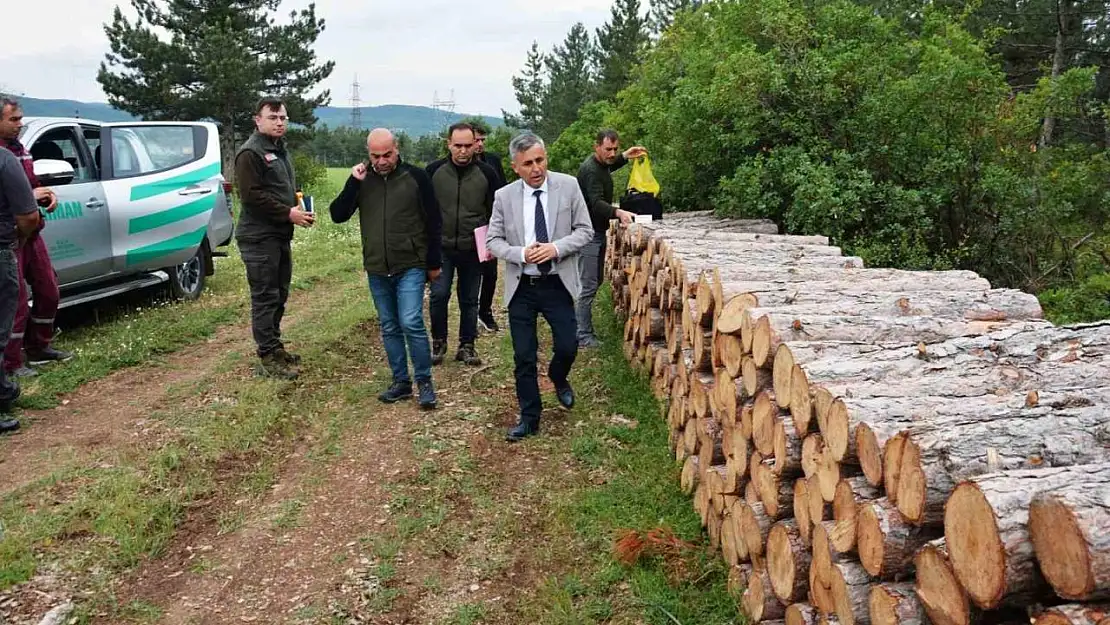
187, 279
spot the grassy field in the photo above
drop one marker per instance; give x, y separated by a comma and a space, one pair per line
219, 497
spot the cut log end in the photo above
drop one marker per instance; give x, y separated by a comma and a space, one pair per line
1063, 549
938, 589
788, 562
801, 614
978, 556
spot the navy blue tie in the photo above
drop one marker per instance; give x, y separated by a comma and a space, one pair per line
541, 229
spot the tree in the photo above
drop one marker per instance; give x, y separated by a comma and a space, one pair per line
619, 44
570, 84
213, 59
663, 12
530, 89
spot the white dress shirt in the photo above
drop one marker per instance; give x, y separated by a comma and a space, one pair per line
529, 205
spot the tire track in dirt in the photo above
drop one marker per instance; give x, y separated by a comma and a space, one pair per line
114, 412
266, 574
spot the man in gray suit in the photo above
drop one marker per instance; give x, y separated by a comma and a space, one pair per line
539, 224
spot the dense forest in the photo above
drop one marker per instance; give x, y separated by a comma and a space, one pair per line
917, 135
937, 135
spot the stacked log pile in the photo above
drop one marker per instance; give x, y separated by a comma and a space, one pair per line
872, 445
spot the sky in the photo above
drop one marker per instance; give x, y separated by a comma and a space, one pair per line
404, 52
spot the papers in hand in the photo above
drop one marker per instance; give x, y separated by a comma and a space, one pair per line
480, 242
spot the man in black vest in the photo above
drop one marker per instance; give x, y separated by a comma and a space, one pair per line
401, 227
489, 268
464, 189
267, 190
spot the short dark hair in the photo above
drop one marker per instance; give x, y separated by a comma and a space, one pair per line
460, 126
269, 102
609, 134
481, 127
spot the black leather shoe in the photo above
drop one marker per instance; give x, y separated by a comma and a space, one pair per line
8, 425
566, 396
522, 430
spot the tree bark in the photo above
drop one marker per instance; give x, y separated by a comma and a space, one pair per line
946, 449
1070, 614
775, 329
787, 450
936, 586
1070, 530
801, 510
851, 590
788, 562
986, 528
801, 614
895, 604
977, 305
886, 542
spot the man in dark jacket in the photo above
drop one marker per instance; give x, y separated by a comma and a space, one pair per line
267, 190
595, 177
401, 227
464, 189
19, 221
489, 268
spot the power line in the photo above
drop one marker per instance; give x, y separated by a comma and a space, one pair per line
356, 105
445, 108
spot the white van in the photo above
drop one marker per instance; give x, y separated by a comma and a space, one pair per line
139, 204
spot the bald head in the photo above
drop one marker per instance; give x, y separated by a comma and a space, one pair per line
382, 147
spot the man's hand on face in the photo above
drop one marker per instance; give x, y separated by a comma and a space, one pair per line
51, 198
301, 218
359, 171
540, 252
625, 216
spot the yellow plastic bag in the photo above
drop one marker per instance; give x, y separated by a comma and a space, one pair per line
641, 178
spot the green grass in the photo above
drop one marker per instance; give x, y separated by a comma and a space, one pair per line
112, 517
641, 493
132, 330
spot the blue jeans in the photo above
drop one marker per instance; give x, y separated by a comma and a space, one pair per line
400, 303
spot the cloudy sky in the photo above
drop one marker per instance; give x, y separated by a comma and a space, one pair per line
403, 51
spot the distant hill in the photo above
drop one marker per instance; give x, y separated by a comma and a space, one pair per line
413, 120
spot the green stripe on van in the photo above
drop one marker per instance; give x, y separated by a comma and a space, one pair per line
185, 241
175, 214
151, 189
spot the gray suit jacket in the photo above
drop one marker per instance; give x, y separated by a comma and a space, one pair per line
570, 231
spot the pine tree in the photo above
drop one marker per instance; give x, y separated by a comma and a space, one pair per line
570, 71
663, 12
198, 59
619, 44
530, 89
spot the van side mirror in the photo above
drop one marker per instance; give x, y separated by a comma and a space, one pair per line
51, 172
